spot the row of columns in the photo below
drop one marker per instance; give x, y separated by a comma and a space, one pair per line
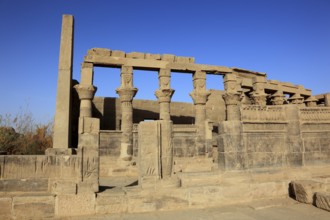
126, 93
233, 96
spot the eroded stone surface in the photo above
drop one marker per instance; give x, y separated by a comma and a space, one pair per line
322, 200
304, 190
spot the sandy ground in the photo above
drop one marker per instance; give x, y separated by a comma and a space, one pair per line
281, 209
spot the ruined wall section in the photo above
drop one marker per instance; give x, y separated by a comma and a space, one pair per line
275, 136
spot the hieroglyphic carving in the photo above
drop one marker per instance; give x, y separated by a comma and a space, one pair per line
254, 113
317, 114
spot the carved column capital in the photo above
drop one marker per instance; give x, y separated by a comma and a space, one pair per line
200, 97
258, 98
85, 92
311, 101
277, 98
232, 98
164, 95
296, 99
126, 94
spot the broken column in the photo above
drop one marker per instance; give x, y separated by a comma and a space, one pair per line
126, 93
200, 96
88, 132
164, 94
258, 95
232, 97
62, 128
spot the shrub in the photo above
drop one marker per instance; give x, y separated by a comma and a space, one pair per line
21, 135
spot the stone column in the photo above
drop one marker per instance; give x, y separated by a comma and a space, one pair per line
258, 95
164, 94
327, 99
86, 94
200, 96
126, 93
277, 98
232, 97
311, 101
297, 99
62, 128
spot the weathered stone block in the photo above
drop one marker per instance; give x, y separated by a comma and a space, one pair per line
89, 125
118, 53
168, 57
33, 206
99, 51
152, 56
322, 200
5, 210
64, 187
24, 185
304, 190
179, 59
116, 202
135, 55
73, 205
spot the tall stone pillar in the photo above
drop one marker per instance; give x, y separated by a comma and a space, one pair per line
232, 97
164, 94
327, 99
126, 93
200, 96
62, 128
258, 94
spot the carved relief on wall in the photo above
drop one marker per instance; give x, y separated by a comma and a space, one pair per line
317, 114
253, 113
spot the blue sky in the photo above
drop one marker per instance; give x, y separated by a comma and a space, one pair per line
287, 39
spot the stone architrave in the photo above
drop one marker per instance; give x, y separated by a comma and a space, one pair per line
62, 128
164, 94
258, 95
232, 97
200, 96
126, 93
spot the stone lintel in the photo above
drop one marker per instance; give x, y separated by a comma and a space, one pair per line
151, 64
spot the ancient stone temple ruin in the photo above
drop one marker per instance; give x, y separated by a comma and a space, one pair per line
117, 155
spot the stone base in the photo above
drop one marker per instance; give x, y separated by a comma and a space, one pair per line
304, 190
60, 151
322, 200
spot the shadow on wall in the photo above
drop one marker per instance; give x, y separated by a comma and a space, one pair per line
109, 112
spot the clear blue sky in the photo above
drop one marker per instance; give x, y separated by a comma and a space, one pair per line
287, 39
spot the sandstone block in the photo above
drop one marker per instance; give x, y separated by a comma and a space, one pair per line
73, 205
322, 200
118, 53
5, 210
111, 203
168, 57
33, 206
99, 51
24, 185
179, 59
135, 55
150, 56
64, 187
304, 190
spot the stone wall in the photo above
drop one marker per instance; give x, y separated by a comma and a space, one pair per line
109, 111
275, 136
